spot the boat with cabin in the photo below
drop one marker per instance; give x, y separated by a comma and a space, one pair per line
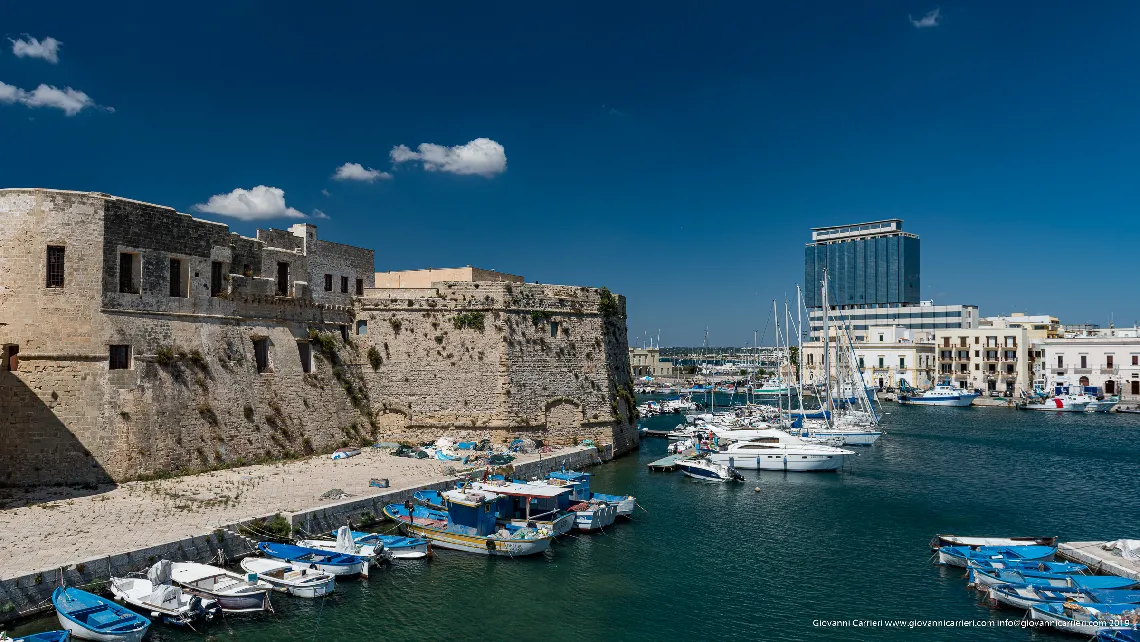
942, 394
232, 591
90, 617
777, 450
281, 576
469, 525
705, 470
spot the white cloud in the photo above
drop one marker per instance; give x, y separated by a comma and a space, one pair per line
356, 172
70, 101
929, 20
257, 204
482, 157
47, 49
319, 214
325, 192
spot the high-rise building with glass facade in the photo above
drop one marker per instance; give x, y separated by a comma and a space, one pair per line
869, 265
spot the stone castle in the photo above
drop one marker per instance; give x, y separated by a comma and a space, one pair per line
139, 342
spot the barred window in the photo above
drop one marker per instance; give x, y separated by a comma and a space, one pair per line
55, 266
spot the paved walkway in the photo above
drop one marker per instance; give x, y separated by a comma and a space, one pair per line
53, 527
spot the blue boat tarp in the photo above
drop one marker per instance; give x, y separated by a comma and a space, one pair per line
291, 553
389, 541
47, 636
1115, 596
990, 552
1103, 582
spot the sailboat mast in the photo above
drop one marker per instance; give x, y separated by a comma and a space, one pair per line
826, 350
800, 345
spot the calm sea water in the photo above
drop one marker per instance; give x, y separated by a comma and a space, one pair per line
705, 561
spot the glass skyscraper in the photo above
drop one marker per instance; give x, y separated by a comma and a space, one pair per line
869, 265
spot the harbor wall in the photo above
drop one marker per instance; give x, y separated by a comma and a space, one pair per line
30, 594
273, 360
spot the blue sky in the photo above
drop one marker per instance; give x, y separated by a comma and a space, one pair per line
674, 152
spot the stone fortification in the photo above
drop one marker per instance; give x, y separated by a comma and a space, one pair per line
138, 341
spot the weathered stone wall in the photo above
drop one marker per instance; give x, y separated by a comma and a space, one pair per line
513, 376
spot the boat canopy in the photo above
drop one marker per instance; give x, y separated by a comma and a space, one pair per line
525, 490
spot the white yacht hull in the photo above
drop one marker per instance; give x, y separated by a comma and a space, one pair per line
790, 462
959, 401
851, 438
1059, 405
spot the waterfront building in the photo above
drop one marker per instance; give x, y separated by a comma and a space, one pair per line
992, 359
873, 274
1038, 326
649, 362
1111, 363
886, 355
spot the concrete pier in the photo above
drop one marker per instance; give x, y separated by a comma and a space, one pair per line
1093, 555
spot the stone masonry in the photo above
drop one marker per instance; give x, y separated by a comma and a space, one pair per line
163, 344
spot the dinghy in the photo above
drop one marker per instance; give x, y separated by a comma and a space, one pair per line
973, 542
46, 636
1026, 596
398, 546
1118, 635
281, 576
90, 617
343, 542
1061, 568
984, 579
469, 525
582, 492
330, 562
233, 593
1087, 619
155, 594
959, 555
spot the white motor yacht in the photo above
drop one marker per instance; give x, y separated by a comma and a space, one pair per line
777, 450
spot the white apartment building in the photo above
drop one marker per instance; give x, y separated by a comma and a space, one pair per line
1111, 363
991, 359
886, 355
924, 317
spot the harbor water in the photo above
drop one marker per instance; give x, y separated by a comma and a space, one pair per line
723, 561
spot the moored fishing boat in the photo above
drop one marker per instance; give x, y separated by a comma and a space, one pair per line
985, 579
1059, 568
155, 595
331, 562
580, 483
90, 617
232, 592
973, 542
46, 636
1026, 596
1118, 635
960, 555
530, 505
398, 546
281, 576
469, 525
1087, 619
343, 542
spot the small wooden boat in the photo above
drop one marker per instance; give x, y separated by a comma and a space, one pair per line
1118, 635
398, 546
432, 499
469, 525
1087, 619
960, 555
303, 557
281, 576
46, 636
986, 579
973, 542
345, 453
1061, 568
1026, 596
90, 617
233, 593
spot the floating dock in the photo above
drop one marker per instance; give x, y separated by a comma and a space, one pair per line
667, 464
657, 433
1093, 555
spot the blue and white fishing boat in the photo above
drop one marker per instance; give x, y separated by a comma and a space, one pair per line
432, 499
469, 524
343, 542
960, 555
1118, 635
283, 577
154, 594
531, 505
46, 636
1061, 568
985, 579
1087, 619
973, 542
580, 482
90, 617
1024, 596
233, 592
330, 562
942, 394
398, 546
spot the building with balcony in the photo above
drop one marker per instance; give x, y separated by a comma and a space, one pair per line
1107, 362
886, 355
991, 359
649, 362
1038, 326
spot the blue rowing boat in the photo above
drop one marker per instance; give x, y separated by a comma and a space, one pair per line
399, 546
92, 617
983, 579
302, 557
962, 555
47, 636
